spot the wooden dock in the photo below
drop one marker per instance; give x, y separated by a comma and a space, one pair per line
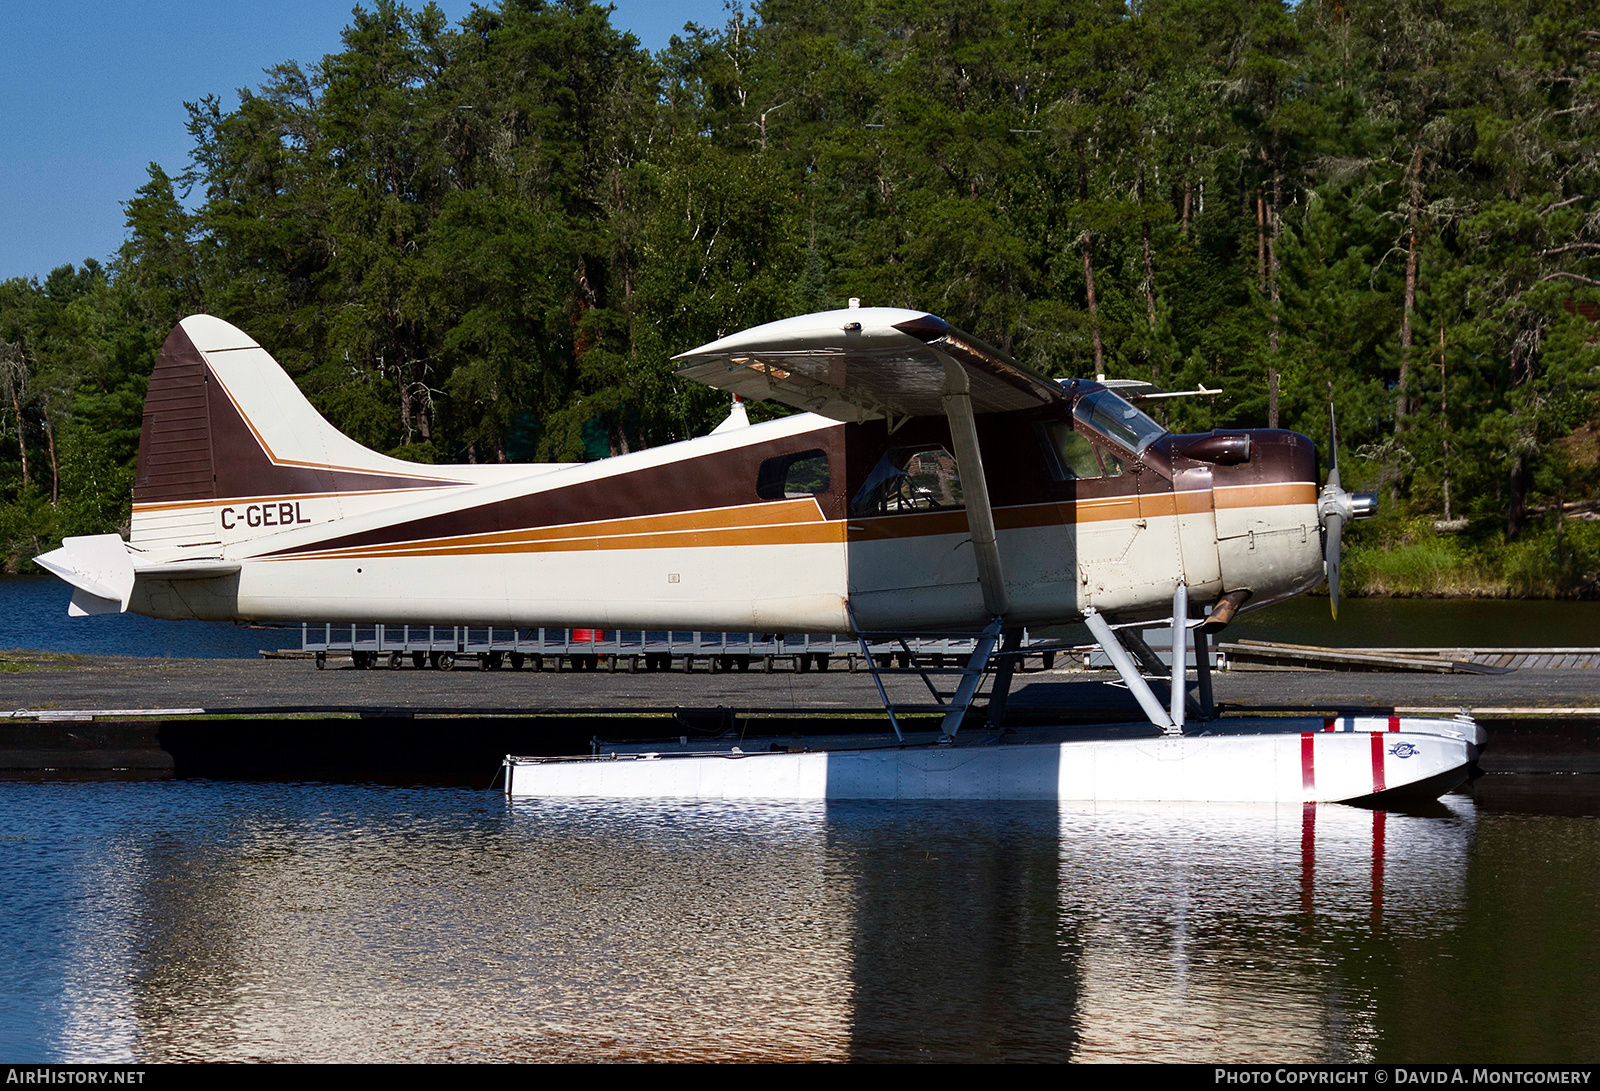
1275, 655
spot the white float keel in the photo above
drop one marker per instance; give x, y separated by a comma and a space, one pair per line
1291, 760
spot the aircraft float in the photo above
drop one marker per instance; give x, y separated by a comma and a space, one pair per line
931, 484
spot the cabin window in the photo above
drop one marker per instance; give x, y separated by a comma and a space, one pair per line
909, 479
1106, 413
804, 473
1074, 457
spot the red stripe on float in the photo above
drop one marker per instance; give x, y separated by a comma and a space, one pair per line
1377, 762
1394, 723
1328, 722
1308, 765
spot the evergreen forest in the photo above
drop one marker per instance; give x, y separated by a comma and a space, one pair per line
484, 241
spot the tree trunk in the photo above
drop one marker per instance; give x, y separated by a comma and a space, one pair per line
405, 410
1402, 401
1094, 310
22, 442
1515, 512
1444, 424
1275, 222
1149, 264
55, 473
1261, 242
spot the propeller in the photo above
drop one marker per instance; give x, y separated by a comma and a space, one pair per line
1335, 507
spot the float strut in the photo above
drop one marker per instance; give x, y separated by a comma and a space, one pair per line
1180, 654
1128, 670
1202, 670
1010, 642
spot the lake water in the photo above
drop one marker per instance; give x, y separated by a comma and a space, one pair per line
1425, 623
208, 921
33, 615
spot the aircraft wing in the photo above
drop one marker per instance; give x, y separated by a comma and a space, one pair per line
864, 363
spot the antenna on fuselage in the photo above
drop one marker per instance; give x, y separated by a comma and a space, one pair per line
737, 417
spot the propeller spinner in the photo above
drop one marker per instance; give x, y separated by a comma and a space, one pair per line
1335, 507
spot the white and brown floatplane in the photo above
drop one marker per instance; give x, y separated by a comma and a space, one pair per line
931, 484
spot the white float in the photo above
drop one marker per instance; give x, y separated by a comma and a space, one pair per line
1323, 760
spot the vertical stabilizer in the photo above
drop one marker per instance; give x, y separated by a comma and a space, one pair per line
231, 449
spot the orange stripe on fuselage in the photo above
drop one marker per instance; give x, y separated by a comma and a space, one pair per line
1265, 496
789, 522
794, 534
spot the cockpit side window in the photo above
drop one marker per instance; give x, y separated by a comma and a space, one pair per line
786, 477
909, 479
1104, 412
1074, 458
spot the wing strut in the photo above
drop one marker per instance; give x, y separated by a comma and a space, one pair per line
957, 398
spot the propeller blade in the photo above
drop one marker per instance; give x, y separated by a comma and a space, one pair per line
1333, 443
1334, 527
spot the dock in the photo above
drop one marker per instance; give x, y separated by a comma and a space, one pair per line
128, 717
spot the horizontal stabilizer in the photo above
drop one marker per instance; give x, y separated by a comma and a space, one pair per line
204, 568
865, 363
96, 564
84, 604
1135, 390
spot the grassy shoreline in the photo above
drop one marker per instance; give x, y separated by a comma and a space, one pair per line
1408, 558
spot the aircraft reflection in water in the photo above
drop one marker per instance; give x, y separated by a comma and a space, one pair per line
353, 924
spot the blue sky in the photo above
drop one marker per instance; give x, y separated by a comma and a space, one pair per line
93, 91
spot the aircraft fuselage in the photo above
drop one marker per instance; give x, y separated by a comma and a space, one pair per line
248, 505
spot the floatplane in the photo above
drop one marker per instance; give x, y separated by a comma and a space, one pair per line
931, 484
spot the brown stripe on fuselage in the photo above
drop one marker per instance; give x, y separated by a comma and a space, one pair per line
817, 533
798, 520
718, 481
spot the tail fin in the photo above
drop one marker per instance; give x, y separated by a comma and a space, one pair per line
231, 448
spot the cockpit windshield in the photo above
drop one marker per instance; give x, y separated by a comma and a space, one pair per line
1118, 421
